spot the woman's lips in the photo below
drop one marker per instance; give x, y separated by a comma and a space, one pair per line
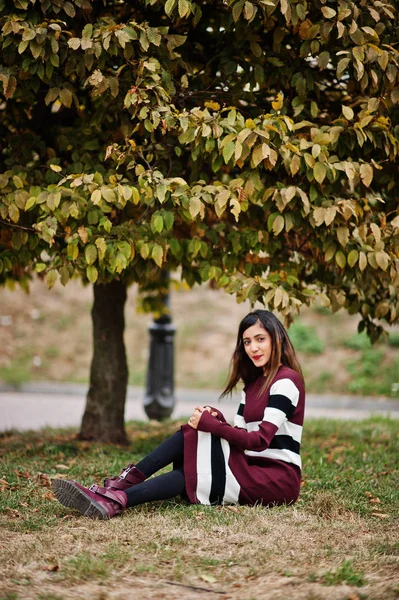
257, 357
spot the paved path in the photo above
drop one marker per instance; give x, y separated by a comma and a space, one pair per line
37, 405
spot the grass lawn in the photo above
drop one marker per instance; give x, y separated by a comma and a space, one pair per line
340, 541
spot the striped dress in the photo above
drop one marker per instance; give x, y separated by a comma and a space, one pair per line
258, 460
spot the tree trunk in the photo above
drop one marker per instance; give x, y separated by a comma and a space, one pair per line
103, 419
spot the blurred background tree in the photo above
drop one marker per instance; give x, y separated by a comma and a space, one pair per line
249, 144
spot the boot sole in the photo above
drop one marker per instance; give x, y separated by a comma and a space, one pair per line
71, 496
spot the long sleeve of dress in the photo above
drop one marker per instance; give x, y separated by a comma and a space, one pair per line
253, 440
220, 416
257, 436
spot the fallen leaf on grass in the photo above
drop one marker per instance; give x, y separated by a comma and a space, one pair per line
24, 474
84, 445
233, 509
49, 496
62, 467
329, 442
11, 512
336, 450
372, 499
380, 515
52, 568
208, 578
3, 484
43, 479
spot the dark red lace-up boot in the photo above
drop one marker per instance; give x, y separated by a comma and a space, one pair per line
128, 477
94, 502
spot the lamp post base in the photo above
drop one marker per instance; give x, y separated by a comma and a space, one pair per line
159, 400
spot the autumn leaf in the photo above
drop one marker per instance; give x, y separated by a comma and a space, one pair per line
320, 172
157, 254
212, 105
52, 567
92, 273
51, 278
278, 224
43, 480
328, 13
82, 231
49, 496
366, 174
208, 578
353, 257
277, 104
12, 513
348, 112
3, 484
90, 254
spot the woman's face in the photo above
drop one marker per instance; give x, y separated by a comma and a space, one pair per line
258, 344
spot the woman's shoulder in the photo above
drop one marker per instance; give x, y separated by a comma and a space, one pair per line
288, 373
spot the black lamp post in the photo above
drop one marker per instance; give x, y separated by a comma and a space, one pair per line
159, 400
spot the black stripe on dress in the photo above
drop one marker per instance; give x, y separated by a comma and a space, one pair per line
281, 403
285, 442
240, 410
218, 472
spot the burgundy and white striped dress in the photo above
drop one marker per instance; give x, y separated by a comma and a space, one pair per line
256, 461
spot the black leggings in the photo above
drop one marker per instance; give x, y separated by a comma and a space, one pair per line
164, 486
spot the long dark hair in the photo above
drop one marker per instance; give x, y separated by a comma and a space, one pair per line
283, 353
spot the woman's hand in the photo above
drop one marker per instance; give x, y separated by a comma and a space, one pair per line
195, 417
209, 409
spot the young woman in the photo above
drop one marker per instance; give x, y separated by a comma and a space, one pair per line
255, 462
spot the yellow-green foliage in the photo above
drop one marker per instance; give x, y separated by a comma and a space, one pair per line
248, 143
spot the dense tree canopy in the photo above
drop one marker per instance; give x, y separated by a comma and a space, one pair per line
249, 143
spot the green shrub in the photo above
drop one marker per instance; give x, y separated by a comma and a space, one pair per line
359, 341
371, 376
304, 339
393, 339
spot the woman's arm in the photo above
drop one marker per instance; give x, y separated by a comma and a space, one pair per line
198, 410
216, 413
247, 440
283, 399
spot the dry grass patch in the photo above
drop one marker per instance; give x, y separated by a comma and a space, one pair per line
243, 553
340, 541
